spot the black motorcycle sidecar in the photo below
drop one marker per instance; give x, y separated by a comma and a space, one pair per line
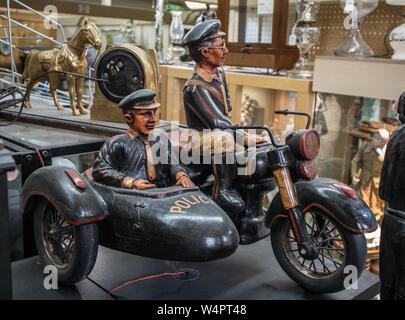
69, 215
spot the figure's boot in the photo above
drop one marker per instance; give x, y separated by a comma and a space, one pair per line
223, 194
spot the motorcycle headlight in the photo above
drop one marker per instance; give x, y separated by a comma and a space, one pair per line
307, 169
304, 144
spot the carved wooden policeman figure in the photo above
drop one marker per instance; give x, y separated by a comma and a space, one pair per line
392, 186
366, 171
207, 104
127, 160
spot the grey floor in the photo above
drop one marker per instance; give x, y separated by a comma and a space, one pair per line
251, 273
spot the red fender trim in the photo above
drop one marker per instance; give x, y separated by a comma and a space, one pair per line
340, 222
275, 218
76, 179
346, 189
328, 213
51, 200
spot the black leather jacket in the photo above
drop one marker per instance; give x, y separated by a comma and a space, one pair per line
125, 156
392, 180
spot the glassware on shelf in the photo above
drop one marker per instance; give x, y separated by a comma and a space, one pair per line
176, 31
305, 36
397, 36
354, 45
127, 32
307, 10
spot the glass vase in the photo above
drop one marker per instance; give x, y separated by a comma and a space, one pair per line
397, 35
397, 42
306, 37
307, 10
354, 45
176, 32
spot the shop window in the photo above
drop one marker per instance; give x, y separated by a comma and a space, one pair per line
354, 133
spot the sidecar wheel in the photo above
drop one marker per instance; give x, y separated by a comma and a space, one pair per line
71, 249
338, 248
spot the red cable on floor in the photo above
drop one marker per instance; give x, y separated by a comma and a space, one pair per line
145, 278
40, 157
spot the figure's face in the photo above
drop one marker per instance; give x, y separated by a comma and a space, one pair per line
142, 121
376, 140
216, 52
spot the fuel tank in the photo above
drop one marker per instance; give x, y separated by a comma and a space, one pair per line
253, 165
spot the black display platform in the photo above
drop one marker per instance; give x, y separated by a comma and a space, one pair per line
251, 273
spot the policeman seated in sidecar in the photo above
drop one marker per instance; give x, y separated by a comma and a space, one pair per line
172, 223
127, 160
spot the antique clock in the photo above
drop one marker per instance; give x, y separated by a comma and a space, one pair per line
122, 70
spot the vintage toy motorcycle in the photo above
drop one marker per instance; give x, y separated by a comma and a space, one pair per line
317, 224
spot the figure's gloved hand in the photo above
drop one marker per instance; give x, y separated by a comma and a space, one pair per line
130, 183
127, 183
184, 180
143, 184
252, 139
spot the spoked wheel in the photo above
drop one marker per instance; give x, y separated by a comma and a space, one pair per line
58, 238
338, 248
71, 249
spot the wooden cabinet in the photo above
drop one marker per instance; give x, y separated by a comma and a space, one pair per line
258, 36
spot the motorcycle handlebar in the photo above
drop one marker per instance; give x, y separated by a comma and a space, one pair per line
286, 112
283, 112
257, 127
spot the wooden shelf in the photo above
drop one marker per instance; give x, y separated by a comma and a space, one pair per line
372, 77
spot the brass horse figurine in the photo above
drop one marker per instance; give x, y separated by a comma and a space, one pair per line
71, 58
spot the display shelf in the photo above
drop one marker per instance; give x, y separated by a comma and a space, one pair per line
44, 113
373, 77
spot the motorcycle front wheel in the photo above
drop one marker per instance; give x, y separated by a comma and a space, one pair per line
342, 253
71, 249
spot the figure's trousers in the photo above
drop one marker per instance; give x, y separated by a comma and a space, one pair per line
392, 255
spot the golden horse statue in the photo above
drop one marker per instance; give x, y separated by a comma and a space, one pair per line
18, 56
70, 58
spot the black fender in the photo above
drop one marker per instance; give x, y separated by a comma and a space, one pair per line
334, 198
68, 191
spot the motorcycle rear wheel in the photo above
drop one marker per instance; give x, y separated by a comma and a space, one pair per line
338, 249
71, 249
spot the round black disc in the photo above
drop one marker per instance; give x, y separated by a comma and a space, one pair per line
124, 73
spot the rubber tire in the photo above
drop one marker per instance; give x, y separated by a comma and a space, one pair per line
85, 253
356, 255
